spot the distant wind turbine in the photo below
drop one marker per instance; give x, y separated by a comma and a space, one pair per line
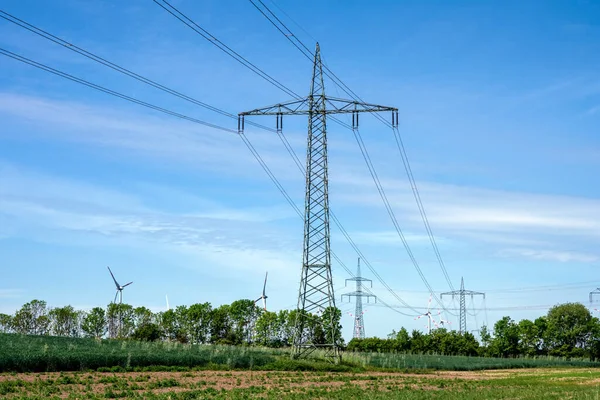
119, 288
264, 295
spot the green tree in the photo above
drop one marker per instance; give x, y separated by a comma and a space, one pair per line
32, 319
287, 321
569, 327
197, 322
149, 332
169, 326
221, 328
64, 321
142, 316
121, 321
243, 315
332, 317
506, 338
6, 323
268, 330
94, 323
529, 338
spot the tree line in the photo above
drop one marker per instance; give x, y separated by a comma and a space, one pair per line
238, 323
567, 330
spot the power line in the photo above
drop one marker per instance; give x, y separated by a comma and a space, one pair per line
222, 46
246, 141
46, 35
308, 54
212, 39
109, 91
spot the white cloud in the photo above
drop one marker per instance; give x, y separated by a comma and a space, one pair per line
238, 238
144, 134
551, 255
10, 293
458, 208
390, 238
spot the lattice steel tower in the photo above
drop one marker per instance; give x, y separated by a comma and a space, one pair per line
359, 323
463, 305
316, 294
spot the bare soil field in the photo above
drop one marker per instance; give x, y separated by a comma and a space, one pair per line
515, 384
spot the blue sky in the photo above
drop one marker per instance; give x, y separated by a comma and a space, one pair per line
499, 108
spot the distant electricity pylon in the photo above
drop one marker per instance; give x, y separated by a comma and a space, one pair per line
593, 292
463, 305
359, 323
316, 286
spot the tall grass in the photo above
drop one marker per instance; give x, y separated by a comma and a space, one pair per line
23, 353
458, 363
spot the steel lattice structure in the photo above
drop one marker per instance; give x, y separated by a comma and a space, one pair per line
316, 299
594, 292
359, 323
463, 305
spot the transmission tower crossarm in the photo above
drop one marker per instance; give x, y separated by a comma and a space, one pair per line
359, 294
334, 105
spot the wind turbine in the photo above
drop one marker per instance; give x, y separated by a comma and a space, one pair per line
119, 288
264, 295
443, 321
167, 297
429, 317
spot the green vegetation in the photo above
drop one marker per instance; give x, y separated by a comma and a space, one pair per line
238, 323
23, 353
568, 330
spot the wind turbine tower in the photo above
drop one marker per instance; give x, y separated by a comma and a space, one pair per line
264, 296
119, 288
359, 323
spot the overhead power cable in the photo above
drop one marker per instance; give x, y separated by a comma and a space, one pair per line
246, 141
46, 35
212, 39
46, 68
222, 46
292, 38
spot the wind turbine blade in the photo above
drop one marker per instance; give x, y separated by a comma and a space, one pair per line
127, 284
265, 304
116, 294
265, 285
111, 274
257, 300
167, 297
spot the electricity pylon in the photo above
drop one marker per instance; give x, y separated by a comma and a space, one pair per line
359, 323
316, 286
593, 292
463, 305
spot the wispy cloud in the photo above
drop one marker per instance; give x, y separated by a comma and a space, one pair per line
10, 293
551, 255
495, 217
144, 134
593, 110
231, 238
390, 238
